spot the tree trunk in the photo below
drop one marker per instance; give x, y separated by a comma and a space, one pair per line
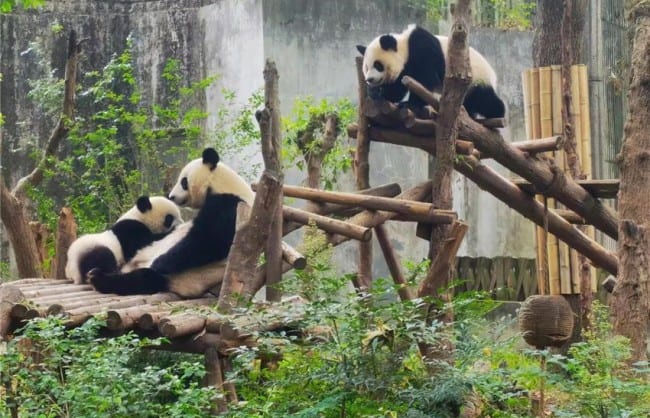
548, 31
16, 222
631, 297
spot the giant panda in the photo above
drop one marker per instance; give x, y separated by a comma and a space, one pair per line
149, 220
417, 53
190, 260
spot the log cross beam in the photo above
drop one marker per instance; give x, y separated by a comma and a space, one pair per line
549, 180
506, 191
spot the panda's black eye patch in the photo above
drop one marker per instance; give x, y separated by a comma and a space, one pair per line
169, 220
184, 183
378, 66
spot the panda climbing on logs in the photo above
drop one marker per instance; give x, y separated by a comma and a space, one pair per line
422, 56
149, 220
177, 262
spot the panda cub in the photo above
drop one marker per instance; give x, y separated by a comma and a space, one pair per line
418, 54
150, 219
186, 260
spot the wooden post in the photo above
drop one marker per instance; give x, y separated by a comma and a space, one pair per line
274, 243
241, 278
392, 261
364, 275
214, 378
66, 233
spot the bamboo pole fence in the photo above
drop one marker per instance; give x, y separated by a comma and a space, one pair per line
543, 112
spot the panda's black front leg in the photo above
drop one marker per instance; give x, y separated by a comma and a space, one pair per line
137, 282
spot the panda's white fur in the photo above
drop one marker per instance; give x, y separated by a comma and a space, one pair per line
186, 261
482, 71
417, 53
196, 178
145, 256
148, 220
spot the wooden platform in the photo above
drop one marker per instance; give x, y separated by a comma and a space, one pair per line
191, 325
602, 189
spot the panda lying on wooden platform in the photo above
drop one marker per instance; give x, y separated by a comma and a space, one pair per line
151, 219
179, 262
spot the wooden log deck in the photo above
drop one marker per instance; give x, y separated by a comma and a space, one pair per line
190, 325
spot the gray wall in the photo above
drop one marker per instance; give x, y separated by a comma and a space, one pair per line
312, 42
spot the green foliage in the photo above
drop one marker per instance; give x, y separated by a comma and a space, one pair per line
120, 147
597, 384
369, 364
503, 14
308, 115
6, 6
55, 372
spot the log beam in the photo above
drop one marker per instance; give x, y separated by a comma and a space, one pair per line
504, 190
416, 210
547, 178
329, 225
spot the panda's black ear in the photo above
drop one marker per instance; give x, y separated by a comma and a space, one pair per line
210, 157
361, 49
388, 42
144, 204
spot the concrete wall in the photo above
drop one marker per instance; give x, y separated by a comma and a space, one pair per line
312, 42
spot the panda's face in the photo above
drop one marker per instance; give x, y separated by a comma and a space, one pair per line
384, 59
158, 213
180, 193
207, 175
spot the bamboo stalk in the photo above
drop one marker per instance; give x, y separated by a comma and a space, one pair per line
546, 129
526, 80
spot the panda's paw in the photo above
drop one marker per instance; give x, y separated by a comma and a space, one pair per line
376, 93
99, 280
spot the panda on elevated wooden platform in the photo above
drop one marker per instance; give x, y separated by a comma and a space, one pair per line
176, 263
423, 56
